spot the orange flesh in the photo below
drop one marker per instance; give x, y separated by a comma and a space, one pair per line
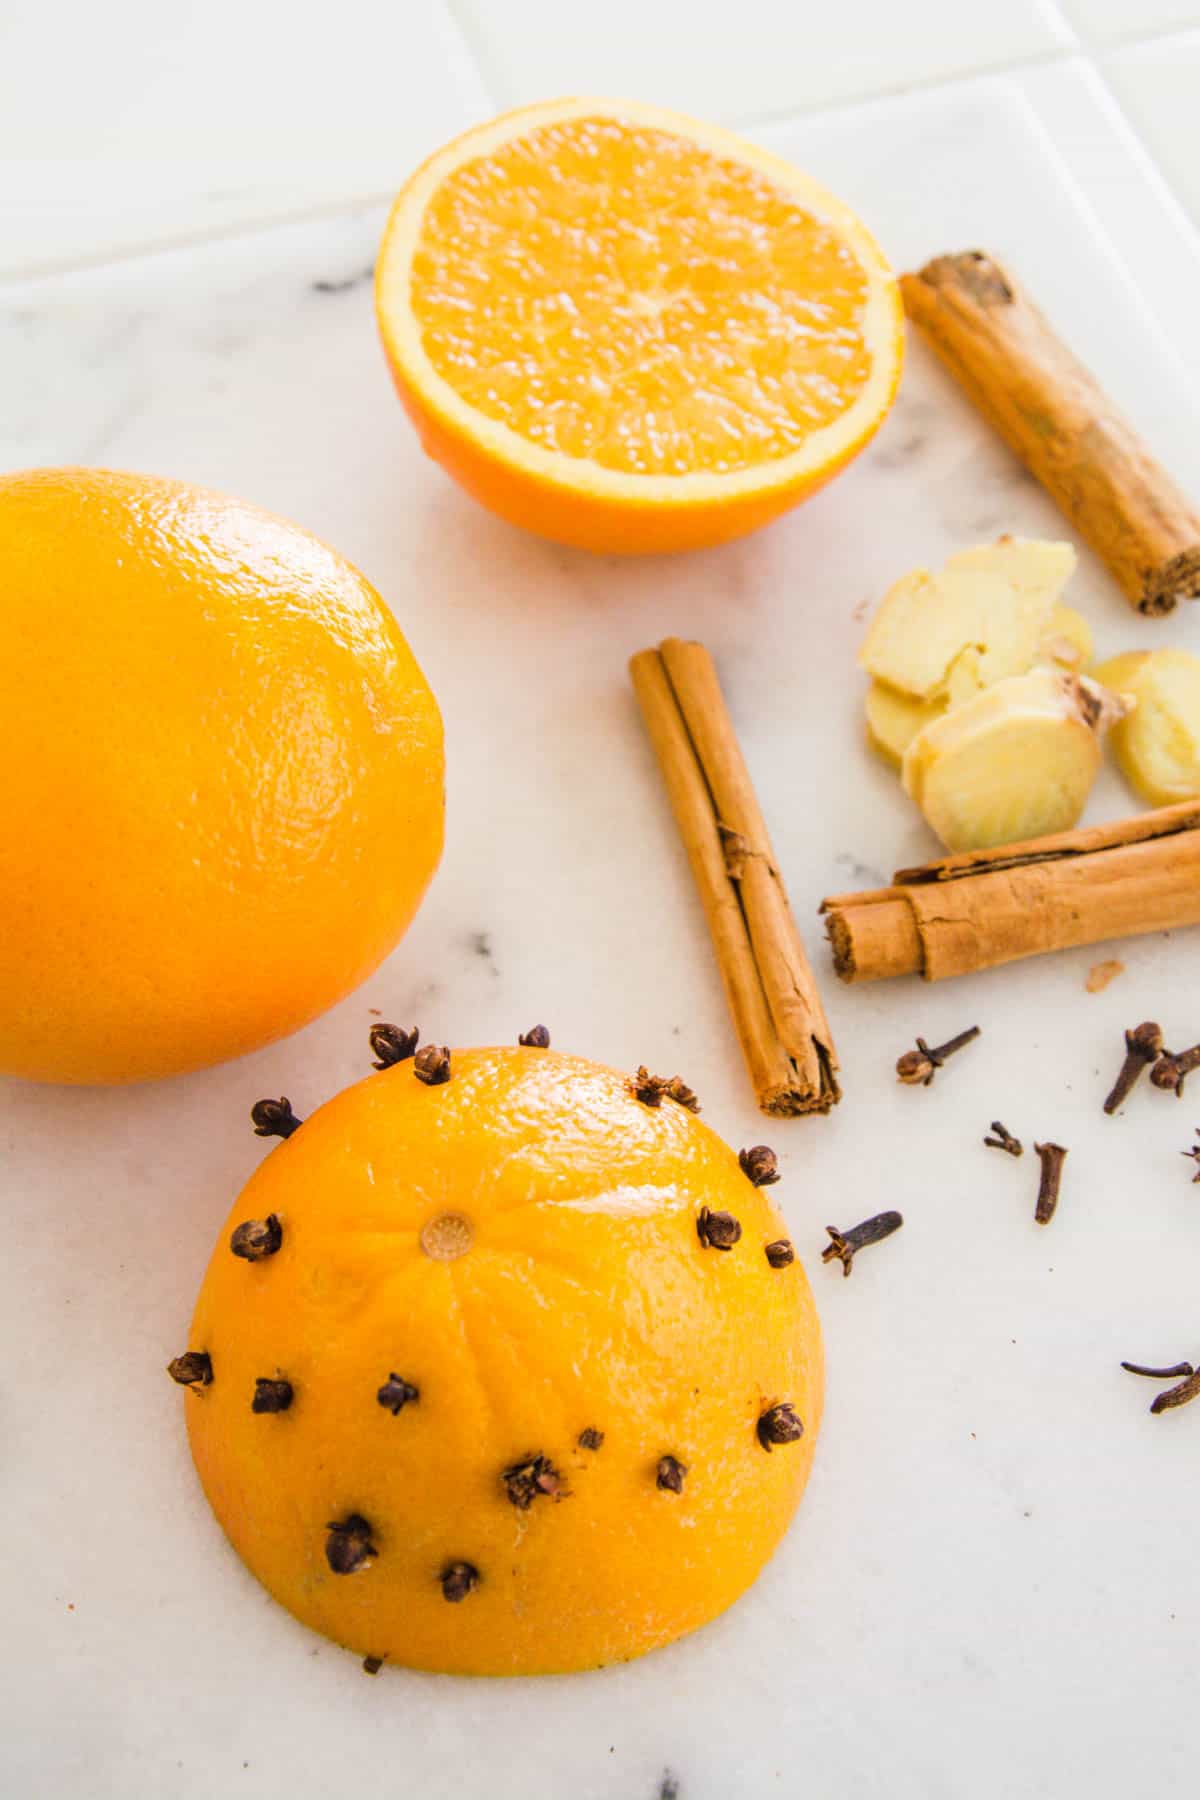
624, 295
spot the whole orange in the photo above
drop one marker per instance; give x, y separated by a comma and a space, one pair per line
224, 791
493, 1373
631, 331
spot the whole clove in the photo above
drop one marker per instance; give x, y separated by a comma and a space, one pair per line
349, 1544
651, 1089
537, 1038
532, 1476
396, 1393
1001, 1138
669, 1474
274, 1118
780, 1424
1171, 1071
192, 1369
590, 1439
780, 1253
271, 1396
1143, 1046
845, 1245
432, 1065
1194, 1155
1176, 1396
1052, 1157
1179, 1368
717, 1230
391, 1044
372, 1665
760, 1165
458, 1579
255, 1239
918, 1067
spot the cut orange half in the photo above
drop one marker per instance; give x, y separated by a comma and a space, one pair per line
629, 331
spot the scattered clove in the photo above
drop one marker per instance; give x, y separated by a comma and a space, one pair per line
1179, 1368
760, 1165
845, 1245
669, 1474
538, 1038
780, 1253
391, 1044
649, 1089
918, 1067
192, 1369
349, 1544
590, 1439
274, 1118
779, 1425
396, 1393
1176, 1396
1001, 1138
1170, 1071
1143, 1045
255, 1239
372, 1665
458, 1579
432, 1065
1194, 1155
271, 1396
1052, 1158
532, 1475
717, 1230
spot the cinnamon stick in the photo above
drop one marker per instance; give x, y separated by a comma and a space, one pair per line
769, 985
981, 908
1053, 413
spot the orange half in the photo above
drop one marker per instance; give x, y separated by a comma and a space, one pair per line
629, 331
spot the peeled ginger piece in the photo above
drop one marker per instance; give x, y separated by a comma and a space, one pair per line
894, 719
1068, 640
1017, 761
1158, 744
995, 600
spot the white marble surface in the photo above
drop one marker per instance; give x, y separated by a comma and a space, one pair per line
990, 1588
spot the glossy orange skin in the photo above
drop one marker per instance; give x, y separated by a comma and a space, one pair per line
585, 1300
225, 790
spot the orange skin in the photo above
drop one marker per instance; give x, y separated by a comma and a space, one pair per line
229, 800
584, 1298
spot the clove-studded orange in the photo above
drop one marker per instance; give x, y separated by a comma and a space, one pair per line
539, 1415
224, 793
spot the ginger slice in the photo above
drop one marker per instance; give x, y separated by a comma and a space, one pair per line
1068, 640
1017, 761
996, 599
1158, 744
894, 719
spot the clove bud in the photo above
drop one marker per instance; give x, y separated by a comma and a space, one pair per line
397, 1393
271, 1396
669, 1474
349, 1544
1170, 1071
391, 1044
717, 1230
1001, 1138
779, 1425
590, 1438
1052, 1158
458, 1579
918, 1067
432, 1065
760, 1165
1143, 1045
650, 1089
192, 1369
537, 1038
780, 1253
255, 1239
845, 1245
531, 1476
274, 1118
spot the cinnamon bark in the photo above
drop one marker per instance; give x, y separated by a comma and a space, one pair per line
769, 985
1053, 413
982, 908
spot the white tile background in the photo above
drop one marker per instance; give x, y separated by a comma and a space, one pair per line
952, 1618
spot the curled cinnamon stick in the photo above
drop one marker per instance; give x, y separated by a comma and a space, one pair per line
1053, 413
982, 908
769, 986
